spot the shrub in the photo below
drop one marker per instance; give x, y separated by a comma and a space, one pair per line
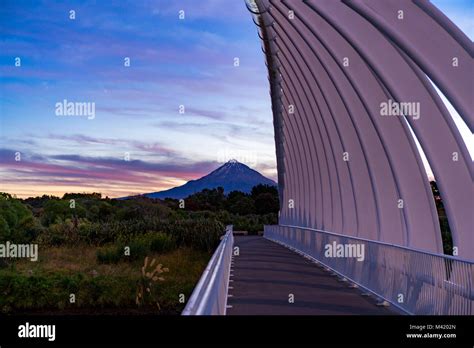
140, 246
20, 291
111, 254
62, 232
95, 233
17, 223
60, 210
151, 275
200, 234
162, 243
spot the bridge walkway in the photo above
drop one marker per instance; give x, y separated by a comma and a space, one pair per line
266, 276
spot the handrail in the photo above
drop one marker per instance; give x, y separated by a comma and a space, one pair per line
383, 243
415, 281
209, 297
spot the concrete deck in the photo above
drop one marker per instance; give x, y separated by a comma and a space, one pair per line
265, 274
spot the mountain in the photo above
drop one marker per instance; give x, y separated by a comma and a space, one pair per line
232, 176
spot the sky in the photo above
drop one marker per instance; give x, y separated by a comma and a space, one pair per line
179, 110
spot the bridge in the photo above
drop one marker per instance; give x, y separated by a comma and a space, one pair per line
356, 91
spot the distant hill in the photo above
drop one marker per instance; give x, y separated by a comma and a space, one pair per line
232, 176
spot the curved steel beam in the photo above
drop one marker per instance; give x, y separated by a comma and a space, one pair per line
451, 67
453, 177
399, 137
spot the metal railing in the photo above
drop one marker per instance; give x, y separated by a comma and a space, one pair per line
209, 297
415, 281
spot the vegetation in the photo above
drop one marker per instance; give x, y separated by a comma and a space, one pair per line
46, 286
247, 212
17, 223
129, 256
443, 220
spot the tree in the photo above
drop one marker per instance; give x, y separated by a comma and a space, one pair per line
207, 199
93, 195
265, 198
240, 203
260, 188
60, 210
16, 220
266, 203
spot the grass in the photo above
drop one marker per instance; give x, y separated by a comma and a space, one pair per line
45, 285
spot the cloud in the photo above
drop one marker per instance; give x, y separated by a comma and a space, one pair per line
216, 115
147, 147
83, 139
77, 170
